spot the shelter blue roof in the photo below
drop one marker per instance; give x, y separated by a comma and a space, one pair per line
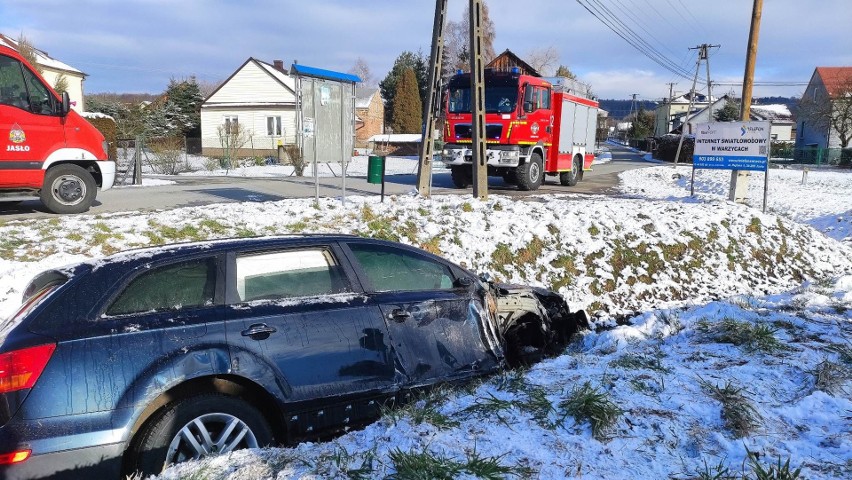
306, 71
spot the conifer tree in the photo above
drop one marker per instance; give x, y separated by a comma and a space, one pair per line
408, 108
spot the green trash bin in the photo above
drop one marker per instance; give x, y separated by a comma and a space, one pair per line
375, 166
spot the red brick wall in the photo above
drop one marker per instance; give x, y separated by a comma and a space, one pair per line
373, 118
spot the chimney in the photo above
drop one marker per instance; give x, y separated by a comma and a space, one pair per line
278, 65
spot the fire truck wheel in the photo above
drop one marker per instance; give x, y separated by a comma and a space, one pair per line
569, 179
530, 173
462, 175
68, 188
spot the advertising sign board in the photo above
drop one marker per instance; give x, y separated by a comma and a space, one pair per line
732, 146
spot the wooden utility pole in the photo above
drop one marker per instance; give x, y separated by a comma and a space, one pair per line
433, 101
739, 178
477, 97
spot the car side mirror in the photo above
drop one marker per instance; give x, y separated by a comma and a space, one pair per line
464, 282
528, 107
65, 107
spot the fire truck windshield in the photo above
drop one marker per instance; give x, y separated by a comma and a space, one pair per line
497, 99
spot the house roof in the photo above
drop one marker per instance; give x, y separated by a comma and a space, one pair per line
363, 97
698, 98
515, 59
43, 58
777, 113
835, 78
279, 76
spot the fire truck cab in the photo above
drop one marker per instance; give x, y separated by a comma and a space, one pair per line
47, 150
534, 127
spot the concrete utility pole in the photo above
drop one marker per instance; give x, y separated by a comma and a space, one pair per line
685, 122
433, 101
739, 178
477, 97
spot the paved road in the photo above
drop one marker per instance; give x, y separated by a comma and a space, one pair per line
196, 191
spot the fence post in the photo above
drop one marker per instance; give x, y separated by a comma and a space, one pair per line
137, 161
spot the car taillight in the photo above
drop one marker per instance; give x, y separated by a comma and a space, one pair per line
20, 369
14, 457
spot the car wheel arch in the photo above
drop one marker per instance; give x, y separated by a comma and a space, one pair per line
230, 385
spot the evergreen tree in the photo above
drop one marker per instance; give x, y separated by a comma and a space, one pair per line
643, 124
408, 108
180, 114
729, 113
415, 61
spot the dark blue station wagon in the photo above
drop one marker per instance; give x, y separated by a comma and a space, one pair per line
152, 357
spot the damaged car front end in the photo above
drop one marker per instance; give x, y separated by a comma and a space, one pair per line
532, 322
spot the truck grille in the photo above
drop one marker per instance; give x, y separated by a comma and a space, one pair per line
492, 131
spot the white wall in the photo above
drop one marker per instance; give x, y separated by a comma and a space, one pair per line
254, 119
75, 87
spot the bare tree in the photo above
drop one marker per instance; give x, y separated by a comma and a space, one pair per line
544, 59
28, 51
832, 112
232, 138
457, 39
207, 87
362, 70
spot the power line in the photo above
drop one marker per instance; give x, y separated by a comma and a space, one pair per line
637, 43
635, 36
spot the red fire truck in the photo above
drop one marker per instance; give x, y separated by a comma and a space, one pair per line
47, 150
534, 127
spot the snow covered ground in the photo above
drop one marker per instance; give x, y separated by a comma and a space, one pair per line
718, 329
823, 199
356, 168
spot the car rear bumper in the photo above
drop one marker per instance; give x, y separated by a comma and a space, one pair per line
102, 461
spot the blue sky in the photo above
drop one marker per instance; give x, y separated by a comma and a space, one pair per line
138, 45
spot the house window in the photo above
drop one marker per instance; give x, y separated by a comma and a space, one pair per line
273, 126
232, 124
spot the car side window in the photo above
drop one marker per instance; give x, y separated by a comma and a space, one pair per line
41, 100
13, 89
394, 269
171, 287
289, 274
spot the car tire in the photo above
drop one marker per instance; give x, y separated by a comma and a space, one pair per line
162, 441
461, 175
530, 174
569, 179
68, 188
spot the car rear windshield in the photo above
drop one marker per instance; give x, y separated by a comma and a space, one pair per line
35, 294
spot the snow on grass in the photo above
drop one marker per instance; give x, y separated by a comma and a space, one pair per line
743, 343
357, 167
824, 201
602, 254
657, 378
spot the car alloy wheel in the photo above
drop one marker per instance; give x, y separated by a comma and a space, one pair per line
210, 434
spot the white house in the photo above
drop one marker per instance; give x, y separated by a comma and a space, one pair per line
779, 116
667, 114
52, 69
261, 99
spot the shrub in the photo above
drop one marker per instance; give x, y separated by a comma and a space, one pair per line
168, 158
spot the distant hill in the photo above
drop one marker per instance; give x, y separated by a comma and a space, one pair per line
621, 108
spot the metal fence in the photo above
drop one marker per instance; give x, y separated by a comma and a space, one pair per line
787, 154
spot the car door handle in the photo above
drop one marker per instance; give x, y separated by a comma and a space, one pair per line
399, 315
259, 331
